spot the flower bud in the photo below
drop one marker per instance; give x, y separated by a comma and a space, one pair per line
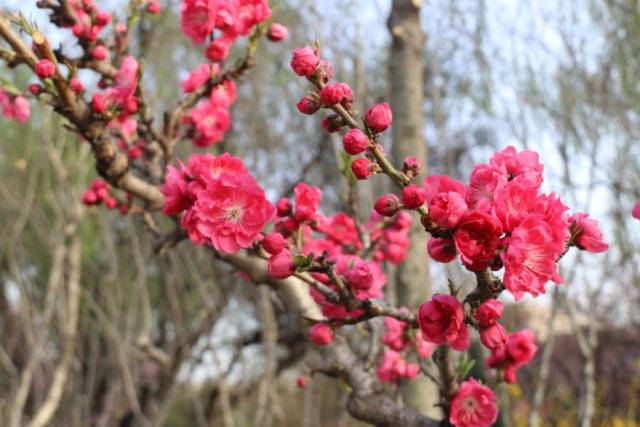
355, 141
277, 32
103, 18
283, 206
89, 197
308, 105
45, 68
324, 71
336, 93
489, 312
332, 123
98, 103
441, 249
413, 196
360, 276
77, 86
411, 166
218, 49
281, 265
301, 382
34, 89
361, 168
635, 212
493, 336
304, 61
387, 205
273, 243
379, 117
321, 334
153, 7
99, 53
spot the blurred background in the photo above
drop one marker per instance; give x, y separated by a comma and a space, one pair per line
181, 340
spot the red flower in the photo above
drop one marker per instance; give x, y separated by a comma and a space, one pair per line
477, 237
441, 320
198, 19
441, 249
321, 334
281, 265
474, 405
588, 235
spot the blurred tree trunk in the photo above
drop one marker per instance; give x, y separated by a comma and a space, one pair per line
406, 94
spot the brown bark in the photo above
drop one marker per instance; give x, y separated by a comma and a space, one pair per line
413, 280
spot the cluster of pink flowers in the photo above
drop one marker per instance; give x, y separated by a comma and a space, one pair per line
99, 193
399, 341
306, 62
500, 220
229, 19
224, 21
301, 230
473, 405
90, 20
15, 107
518, 350
223, 204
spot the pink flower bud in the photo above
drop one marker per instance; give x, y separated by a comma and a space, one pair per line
77, 86
121, 28
283, 206
273, 243
360, 168
123, 208
301, 382
218, 49
355, 141
98, 104
304, 61
636, 211
379, 117
45, 68
89, 198
111, 203
308, 105
489, 312
441, 249
413, 196
34, 89
277, 32
100, 53
321, 334
153, 7
281, 265
493, 336
360, 276
332, 123
336, 93
324, 71
103, 18
411, 166
387, 205
134, 152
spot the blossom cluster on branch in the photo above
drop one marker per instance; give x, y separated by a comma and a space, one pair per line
500, 225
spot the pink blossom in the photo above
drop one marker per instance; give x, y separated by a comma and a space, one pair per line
307, 197
321, 334
355, 141
100, 53
442, 249
198, 18
361, 168
126, 82
474, 405
284, 207
360, 276
199, 76
211, 121
394, 366
177, 198
336, 93
489, 312
530, 258
493, 336
519, 349
588, 235
477, 237
218, 49
379, 117
345, 265
273, 243
77, 86
523, 166
635, 212
277, 32
307, 105
441, 320
387, 205
281, 265
413, 196
304, 61
153, 7
395, 336
45, 68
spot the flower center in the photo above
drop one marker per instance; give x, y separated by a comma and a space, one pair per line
469, 405
233, 214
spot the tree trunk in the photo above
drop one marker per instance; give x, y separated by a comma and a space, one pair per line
407, 99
